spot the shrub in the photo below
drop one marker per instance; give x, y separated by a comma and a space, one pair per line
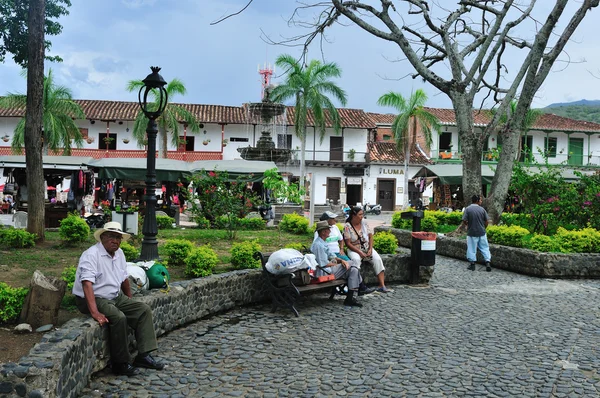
252, 224
164, 222
429, 223
586, 240
17, 238
385, 242
294, 223
202, 222
543, 243
399, 222
224, 221
11, 301
73, 229
177, 250
201, 262
454, 218
68, 275
507, 236
131, 253
242, 255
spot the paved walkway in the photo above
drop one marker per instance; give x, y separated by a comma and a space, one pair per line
474, 334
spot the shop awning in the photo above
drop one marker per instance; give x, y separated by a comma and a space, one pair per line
135, 169
50, 162
451, 174
176, 170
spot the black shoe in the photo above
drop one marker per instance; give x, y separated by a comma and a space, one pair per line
488, 268
124, 369
352, 303
366, 290
471, 267
146, 361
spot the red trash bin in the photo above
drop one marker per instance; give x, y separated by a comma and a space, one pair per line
425, 251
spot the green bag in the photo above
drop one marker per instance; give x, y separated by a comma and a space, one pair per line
158, 276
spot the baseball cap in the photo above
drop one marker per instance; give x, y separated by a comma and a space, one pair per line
327, 215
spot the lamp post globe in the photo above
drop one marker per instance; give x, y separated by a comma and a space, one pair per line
155, 84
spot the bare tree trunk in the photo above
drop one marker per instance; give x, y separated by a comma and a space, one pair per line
303, 165
471, 146
33, 119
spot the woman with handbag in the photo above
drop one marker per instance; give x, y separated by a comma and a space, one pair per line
359, 240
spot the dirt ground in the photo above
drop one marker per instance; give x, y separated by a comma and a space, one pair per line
14, 346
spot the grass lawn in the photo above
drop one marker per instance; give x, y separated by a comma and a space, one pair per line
51, 257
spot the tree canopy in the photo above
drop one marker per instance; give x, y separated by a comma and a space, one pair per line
14, 31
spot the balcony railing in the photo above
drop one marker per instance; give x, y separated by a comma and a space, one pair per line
332, 156
493, 156
138, 154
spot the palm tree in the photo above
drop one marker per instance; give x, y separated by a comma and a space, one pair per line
309, 86
59, 112
411, 117
168, 121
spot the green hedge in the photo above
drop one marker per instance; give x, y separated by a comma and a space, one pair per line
294, 224
507, 236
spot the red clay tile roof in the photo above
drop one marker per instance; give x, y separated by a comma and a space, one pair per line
386, 152
351, 118
546, 121
381, 118
549, 121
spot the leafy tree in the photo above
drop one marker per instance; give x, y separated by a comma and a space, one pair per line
411, 117
14, 29
309, 86
462, 53
59, 112
168, 121
219, 198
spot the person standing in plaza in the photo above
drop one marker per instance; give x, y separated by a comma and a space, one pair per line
102, 290
475, 219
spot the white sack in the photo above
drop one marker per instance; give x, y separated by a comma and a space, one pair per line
285, 261
137, 278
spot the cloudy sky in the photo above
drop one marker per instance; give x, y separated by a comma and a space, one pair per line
106, 43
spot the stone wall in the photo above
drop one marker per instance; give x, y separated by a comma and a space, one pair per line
63, 362
523, 261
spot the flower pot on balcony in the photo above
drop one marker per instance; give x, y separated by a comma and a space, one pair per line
125, 141
446, 155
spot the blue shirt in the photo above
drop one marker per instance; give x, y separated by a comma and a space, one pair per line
322, 254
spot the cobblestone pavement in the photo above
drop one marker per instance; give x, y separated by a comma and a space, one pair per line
474, 334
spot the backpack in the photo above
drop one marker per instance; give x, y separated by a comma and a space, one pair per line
158, 276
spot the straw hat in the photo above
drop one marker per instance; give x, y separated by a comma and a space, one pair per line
321, 225
112, 226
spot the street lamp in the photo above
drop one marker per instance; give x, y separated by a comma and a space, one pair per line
152, 83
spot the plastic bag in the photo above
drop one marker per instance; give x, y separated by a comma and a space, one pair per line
158, 276
286, 261
137, 278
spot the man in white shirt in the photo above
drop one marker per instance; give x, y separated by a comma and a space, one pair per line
102, 290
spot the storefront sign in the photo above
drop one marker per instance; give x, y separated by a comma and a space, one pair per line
354, 181
391, 171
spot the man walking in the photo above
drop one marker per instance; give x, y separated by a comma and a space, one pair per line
476, 219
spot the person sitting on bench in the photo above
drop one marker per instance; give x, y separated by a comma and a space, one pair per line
330, 264
359, 240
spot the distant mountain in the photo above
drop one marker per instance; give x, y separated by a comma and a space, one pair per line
579, 110
580, 102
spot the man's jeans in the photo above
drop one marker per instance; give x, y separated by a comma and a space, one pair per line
478, 242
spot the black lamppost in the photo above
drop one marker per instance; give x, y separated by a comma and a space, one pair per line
152, 83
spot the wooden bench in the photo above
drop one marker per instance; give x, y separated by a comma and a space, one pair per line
284, 293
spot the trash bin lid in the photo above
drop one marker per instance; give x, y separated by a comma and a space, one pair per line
424, 235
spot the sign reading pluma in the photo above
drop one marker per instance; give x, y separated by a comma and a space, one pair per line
155, 84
